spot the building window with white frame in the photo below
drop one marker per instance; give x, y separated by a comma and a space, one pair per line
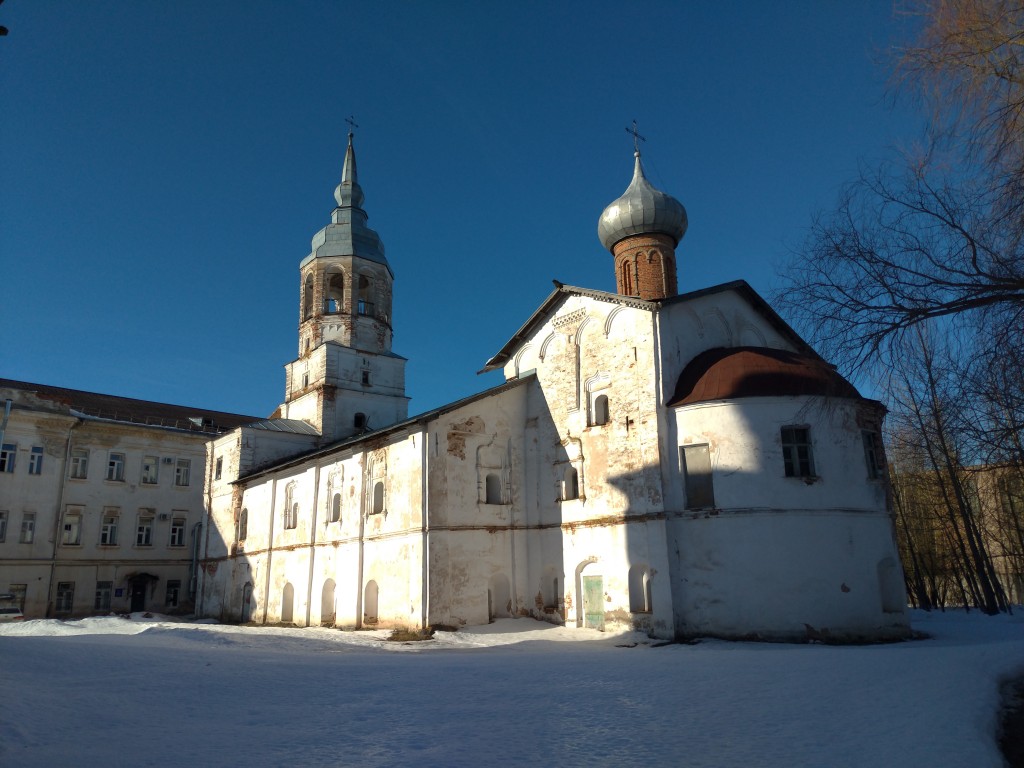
79, 464
103, 592
150, 470
601, 415
796, 452
28, 528
108, 528
173, 593
3, 525
218, 468
65, 597
177, 532
144, 531
115, 467
243, 524
72, 536
335, 508
35, 460
182, 471
8, 453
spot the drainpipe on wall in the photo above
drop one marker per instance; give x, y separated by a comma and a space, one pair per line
270, 547
60, 504
193, 575
312, 545
200, 574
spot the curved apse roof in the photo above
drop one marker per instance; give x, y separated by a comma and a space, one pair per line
726, 373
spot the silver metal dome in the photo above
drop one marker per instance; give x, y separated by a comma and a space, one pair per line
642, 210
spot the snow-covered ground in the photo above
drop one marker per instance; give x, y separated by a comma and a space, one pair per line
154, 692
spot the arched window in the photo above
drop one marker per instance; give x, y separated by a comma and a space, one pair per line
378, 498
601, 410
334, 293
570, 484
493, 489
307, 297
243, 524
336, 508
365, 304
291, 516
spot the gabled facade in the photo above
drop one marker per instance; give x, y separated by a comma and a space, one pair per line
681, 464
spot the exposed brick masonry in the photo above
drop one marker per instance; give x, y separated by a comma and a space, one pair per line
645, 266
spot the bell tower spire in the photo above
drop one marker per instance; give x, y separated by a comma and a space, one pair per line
346, 379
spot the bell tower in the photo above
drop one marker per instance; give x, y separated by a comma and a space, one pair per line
346, 380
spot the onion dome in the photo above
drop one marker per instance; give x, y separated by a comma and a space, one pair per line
642, 210
726, 373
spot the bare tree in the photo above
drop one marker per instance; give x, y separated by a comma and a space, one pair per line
938, 233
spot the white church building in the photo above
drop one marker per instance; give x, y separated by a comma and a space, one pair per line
684, 464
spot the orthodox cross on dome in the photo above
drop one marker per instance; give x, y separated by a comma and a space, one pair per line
637, 138
353, 124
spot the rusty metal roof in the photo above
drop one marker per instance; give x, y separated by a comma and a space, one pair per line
132, 411
725, 373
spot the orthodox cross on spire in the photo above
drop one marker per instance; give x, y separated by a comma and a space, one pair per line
352, 124
637, 138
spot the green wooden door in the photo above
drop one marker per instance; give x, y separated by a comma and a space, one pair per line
593, 602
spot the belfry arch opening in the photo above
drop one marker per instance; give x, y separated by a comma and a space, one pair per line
307, 297
334, 292
365, 303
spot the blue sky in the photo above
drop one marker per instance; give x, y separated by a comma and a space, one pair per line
163, 167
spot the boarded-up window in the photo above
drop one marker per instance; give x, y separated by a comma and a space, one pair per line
700, 491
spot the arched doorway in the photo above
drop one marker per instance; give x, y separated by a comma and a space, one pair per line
590, 600
370, 595
499, 598
327, 604
287, 603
